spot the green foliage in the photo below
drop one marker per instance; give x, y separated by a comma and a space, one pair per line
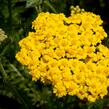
16, 17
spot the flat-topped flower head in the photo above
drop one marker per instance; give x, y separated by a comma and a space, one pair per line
67, 53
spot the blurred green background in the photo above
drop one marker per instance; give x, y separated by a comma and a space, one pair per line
17, 91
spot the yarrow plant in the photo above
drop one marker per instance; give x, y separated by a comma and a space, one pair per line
67, 52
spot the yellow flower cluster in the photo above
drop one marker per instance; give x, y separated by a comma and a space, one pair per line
67, 52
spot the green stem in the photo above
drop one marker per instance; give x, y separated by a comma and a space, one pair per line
4, 50
37, 10
12, 87
3, 71
15, 91
40, 9
16, 70
50, 6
